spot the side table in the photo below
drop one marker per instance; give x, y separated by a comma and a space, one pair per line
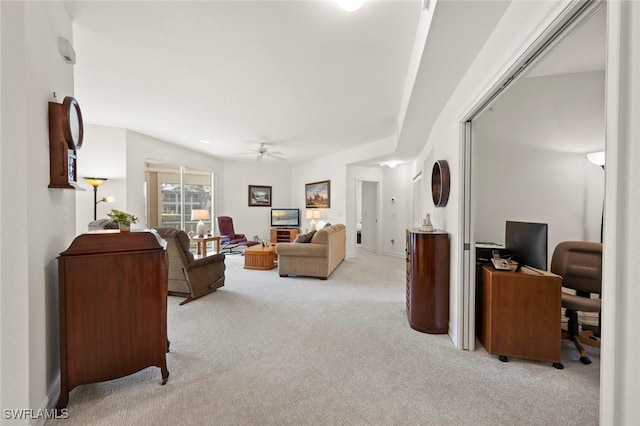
201, 244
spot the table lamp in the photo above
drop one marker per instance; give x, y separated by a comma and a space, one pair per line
313, 215
200, 215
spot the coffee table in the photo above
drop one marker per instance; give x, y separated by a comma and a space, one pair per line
258, 257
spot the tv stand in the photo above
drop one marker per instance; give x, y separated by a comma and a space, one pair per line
284, 235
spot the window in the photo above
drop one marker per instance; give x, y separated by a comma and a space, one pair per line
174, 191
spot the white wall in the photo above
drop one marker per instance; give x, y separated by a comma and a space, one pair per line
103, 155
36, 223
332, 168
396, 215
530, 158
140, 147
521, 23
119, 155
237, 176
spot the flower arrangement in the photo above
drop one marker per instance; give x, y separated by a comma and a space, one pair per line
122, 218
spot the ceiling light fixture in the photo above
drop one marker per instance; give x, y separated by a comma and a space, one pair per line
350, 5
390, 164
205, 142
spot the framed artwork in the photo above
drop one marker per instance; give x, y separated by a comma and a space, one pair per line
259, 196
317, 195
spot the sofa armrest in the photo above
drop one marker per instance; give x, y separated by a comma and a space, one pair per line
198, 263
302, 249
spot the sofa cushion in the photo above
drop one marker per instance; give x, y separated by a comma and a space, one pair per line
305, 238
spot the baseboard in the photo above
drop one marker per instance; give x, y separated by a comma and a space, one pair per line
393, 254
47, 407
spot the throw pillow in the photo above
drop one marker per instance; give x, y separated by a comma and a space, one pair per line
304, 238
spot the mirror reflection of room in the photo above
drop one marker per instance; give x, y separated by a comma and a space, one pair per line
531, 161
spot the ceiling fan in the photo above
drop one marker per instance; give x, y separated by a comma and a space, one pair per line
263, 151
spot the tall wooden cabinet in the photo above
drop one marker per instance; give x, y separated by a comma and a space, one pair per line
428, 281
113, 307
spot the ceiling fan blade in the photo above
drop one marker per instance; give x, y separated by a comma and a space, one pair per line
272, 155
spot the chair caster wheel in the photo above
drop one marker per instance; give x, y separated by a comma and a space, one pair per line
585, 360
558, 366
503, 358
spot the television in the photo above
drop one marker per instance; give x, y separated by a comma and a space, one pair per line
285, 218
527, 242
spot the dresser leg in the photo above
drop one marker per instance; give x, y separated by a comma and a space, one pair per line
165, 375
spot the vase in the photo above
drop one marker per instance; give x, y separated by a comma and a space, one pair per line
124, 228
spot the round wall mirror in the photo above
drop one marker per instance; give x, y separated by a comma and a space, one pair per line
440, 183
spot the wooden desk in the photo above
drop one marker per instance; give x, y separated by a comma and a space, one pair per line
201, 244
521, 314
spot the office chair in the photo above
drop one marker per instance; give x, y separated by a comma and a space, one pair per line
228, 237
579, 263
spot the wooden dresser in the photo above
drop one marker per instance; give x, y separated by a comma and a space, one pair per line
113, 307
428, 281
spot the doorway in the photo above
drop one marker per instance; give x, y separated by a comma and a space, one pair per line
367, 215
481, 224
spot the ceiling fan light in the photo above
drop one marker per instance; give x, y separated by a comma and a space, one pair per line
350, 5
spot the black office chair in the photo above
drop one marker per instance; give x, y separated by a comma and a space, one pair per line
579, 263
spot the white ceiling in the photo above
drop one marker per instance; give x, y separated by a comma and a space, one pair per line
301, 75
583, 51
304, 75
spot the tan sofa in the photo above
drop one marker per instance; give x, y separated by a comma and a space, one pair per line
317, 258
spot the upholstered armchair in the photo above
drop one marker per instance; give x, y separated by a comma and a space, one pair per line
228, 237
189, 277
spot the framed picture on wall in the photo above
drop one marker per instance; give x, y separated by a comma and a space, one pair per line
259, 196
317, 195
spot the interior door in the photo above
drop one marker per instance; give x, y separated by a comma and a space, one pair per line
369, 233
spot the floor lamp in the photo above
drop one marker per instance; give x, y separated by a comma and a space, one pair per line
96, 182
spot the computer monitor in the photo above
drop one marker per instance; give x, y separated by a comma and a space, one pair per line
528, 243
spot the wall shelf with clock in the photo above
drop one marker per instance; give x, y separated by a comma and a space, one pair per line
66, 132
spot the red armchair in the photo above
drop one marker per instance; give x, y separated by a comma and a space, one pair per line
228, 237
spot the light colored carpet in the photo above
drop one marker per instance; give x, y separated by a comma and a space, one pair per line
300, 351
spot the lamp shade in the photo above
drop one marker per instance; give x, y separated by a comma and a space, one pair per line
95, 181
198, 214
312, 214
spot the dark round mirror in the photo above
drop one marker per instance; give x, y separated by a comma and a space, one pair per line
440, 183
